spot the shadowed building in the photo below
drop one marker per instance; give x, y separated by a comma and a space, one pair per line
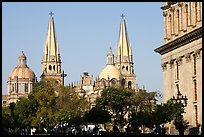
181, 57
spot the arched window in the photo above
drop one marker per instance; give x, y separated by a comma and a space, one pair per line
123, 82
113, 82
123, 68
54, 67
126, 68
50, 67
103, 84
129, 84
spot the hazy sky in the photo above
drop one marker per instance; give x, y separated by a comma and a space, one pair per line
85, 31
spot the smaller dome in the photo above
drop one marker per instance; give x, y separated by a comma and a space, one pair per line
110, 71
22, 72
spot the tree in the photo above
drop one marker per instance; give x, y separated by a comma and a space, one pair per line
70, 107
97, 116
180, 124
117, 101
25, 112
143, 103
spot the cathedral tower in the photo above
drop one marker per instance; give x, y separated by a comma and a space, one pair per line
51, 62
124, 58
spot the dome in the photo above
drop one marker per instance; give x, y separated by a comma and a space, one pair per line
110, 71
22, 72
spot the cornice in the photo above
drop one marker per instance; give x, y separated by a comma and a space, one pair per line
180, 41
168, 5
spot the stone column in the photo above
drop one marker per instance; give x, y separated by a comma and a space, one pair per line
181, 15
165, 27
199, 11
173, 21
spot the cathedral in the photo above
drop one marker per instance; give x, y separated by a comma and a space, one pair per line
181, 58
118, 71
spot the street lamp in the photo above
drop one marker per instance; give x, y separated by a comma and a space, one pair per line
180, 99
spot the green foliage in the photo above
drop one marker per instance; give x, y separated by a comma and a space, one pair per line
117, 101
24, 111
7, 120
97, 116
48, 105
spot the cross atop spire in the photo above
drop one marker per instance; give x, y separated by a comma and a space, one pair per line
123, 16
51, 13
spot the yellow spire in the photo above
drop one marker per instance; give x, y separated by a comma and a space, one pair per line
51, 50
123, 42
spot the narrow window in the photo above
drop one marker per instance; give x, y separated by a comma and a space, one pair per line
16, 87
129, 84
19, 87
123, 82
195, 90
194, 64
177, 71
170, 24
178, 20
186, 15
126, 68
50, 67
196, 114
12, 87
26, 87
123, 68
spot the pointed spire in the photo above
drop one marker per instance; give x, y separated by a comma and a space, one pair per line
123, 42
51, 50
51, 62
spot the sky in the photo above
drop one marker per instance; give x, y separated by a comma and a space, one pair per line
85, 31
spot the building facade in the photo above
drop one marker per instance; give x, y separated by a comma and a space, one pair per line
20, 81
51, 62
181, 56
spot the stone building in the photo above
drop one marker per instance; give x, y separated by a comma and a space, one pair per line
119, 70
181, 57
51, 62
20, 81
